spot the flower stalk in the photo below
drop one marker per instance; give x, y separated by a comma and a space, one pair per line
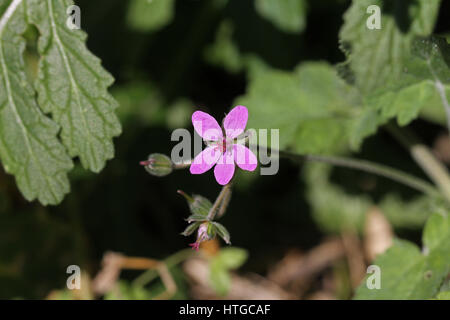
370, 167
221, 203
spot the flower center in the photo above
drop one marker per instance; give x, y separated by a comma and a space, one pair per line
224, 145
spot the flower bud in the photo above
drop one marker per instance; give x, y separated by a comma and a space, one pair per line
203, 234
198, 205
158, 165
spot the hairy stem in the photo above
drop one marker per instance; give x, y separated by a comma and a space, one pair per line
221, 202
367, 166
224, 205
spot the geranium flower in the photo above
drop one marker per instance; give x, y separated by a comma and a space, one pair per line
202, 235
223, 149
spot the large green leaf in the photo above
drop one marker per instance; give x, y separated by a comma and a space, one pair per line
29, 147
408, 273
389, 67
311, 107
72, 85
376, 57
422, 84
287, 15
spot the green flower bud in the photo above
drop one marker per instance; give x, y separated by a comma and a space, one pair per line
158, 165
198, 205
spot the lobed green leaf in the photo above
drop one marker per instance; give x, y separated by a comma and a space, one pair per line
408, 273
72, 86
29, 147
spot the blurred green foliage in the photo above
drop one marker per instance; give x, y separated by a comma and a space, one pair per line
408, 273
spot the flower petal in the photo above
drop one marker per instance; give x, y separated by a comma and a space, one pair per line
205, 160
206, 126
224, 168
244, 157
235, 121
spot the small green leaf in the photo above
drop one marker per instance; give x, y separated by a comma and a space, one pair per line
220, 266
191, 228
219, 278
196, 217
72, 86
150, 15
287, 15
222, 232
232, 258
200, 207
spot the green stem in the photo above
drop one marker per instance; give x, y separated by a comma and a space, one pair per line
370, 167
224, 205
170, 261
437, 172
224, 194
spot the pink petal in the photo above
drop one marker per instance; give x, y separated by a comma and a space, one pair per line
244, 157
205, 160
224, 168
235, 121
206, 126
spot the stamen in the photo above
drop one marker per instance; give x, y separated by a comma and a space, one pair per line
224, 145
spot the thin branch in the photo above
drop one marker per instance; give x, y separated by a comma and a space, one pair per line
437, 172
367, 166
171, 261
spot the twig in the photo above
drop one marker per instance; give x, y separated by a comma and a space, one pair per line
367, 166
424, 158
171, 261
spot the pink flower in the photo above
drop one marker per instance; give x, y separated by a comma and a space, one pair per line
202, 235
223, 150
